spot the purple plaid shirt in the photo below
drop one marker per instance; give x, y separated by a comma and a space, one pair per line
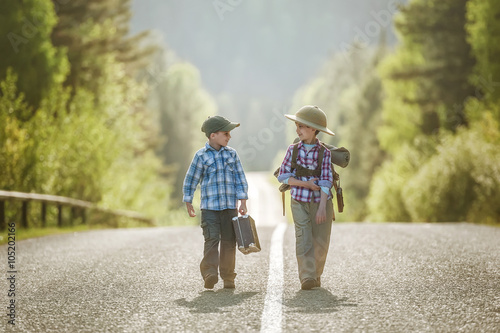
308, 160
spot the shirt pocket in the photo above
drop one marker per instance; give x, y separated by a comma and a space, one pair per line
210, 166
230, 164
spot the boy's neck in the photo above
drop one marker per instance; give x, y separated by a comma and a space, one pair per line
310, 142
214, 145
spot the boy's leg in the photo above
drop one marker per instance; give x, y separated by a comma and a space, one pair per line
303, 240
211, 232
321, 236
228, 245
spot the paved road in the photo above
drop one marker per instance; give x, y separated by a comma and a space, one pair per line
379, 278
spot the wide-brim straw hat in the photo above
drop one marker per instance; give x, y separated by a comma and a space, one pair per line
312, 116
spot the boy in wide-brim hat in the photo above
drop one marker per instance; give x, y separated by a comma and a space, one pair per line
311, 179
223, 182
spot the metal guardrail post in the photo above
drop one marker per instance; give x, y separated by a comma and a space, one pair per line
44, 214
24, 215
72, 215
59, 216
3, 225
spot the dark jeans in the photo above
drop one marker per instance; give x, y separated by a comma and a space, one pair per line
218, 227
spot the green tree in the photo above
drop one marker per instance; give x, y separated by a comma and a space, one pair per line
339, 74
483, 30
427, 87
26, 47
15, 143
92, 29
88, 140
461, 181
427, 80
363, 107
183, 105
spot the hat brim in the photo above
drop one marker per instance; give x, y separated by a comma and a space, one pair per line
308, 123
229, 127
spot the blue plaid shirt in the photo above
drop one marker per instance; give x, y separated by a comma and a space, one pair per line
222, 178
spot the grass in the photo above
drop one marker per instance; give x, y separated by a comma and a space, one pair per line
40, 232
174, 218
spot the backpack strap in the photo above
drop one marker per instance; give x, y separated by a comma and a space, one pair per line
320, 157
301, 171
295, 153
283, 200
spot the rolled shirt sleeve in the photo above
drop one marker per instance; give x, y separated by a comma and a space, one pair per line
286, 166
193, 177
241, 180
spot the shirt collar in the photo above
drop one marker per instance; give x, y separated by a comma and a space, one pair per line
209, 147
301, 144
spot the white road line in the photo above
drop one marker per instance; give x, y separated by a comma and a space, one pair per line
272, 314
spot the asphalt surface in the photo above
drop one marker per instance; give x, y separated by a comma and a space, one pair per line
378, 278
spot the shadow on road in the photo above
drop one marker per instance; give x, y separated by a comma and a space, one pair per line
214, 302
316, 301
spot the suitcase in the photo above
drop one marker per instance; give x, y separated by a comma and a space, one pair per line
246, 234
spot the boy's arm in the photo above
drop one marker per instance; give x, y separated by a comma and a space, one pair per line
193, 176
241, 186
285, 171
190, 209
310, 184
243, 207
321, 213
241, 181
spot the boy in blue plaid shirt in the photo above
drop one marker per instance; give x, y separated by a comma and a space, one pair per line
218, 168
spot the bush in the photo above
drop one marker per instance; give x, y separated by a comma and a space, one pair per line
386, 201
460, 183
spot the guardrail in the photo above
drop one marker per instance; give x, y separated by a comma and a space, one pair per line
77, 206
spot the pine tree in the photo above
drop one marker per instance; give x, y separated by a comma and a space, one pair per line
93, 29
26, 47
429, 73
483, 35
183, 105
439, 118
362, 120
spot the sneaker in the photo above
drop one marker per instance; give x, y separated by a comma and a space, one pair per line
318, 282
308, 284
210, 281
228, 284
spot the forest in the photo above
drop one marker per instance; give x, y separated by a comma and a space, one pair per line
80, 112
420, 119
91, 111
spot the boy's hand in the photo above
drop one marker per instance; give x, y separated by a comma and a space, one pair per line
321, 214
311, 185
243, 207
190, 209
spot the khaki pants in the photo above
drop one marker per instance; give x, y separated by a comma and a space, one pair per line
312, 240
